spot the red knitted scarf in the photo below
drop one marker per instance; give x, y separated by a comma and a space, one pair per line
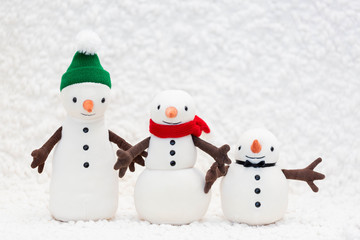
194, 127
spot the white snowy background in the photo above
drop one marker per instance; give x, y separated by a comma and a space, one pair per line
292, 66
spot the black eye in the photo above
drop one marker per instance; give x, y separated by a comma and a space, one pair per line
239, 148
103, 100
74, 99
186, 108
272, 149
158, 107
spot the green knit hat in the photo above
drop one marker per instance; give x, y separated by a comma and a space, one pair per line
85, 66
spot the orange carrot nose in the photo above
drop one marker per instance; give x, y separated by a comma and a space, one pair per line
88, 105
171, 112
256, 147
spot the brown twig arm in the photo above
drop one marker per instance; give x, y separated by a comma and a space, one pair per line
214, 173
307, 174
219, 154
40, 155
122, 144
218, 168
125, 158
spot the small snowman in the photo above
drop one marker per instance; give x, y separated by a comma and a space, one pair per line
255, 188
84, 185
170, 190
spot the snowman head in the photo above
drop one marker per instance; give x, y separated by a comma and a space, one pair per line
86, 101
172, 107
85, 86
257, 145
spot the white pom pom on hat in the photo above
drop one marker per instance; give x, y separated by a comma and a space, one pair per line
88, 42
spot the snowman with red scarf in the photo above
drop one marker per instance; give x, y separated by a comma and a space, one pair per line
170, 190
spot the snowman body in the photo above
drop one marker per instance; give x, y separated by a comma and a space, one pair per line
84, 184
171, 153
255, 190
254, 195
170, 190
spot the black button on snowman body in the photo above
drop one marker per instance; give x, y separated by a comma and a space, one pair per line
86, 147
257, 191
172, 153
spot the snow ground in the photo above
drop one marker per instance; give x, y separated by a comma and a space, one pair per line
292, 66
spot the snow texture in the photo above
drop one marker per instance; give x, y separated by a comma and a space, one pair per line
292, 66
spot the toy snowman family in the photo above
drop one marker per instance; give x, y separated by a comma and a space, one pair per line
85, 171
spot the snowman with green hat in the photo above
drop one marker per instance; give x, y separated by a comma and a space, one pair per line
84, 184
